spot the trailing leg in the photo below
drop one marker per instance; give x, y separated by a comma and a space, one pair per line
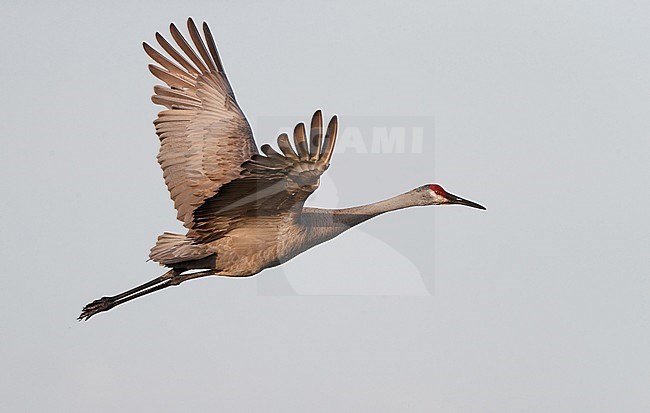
168, 279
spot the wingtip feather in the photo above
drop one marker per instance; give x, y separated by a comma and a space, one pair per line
316, 135
299, 137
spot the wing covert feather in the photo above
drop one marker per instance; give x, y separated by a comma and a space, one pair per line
271, 184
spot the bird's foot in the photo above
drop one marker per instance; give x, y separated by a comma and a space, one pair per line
97, 306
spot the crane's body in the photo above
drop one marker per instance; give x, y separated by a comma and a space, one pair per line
266, 241
244, 211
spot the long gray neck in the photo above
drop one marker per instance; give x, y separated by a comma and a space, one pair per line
356, 215
324, 224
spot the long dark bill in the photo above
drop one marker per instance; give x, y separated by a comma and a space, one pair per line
453, 199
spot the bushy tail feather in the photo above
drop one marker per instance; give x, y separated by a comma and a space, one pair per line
173, 248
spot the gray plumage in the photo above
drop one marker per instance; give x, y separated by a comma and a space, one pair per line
243, 210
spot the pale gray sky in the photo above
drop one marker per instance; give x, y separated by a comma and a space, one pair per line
538, 110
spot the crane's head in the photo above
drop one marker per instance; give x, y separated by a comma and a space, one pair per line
436, 195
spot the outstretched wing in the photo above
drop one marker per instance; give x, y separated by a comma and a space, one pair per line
270, 185
204, 136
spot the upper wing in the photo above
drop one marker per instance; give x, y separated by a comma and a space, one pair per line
204, 136
271, 184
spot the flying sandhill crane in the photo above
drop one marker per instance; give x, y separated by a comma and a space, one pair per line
243, 210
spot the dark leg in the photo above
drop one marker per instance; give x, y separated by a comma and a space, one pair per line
168, 279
